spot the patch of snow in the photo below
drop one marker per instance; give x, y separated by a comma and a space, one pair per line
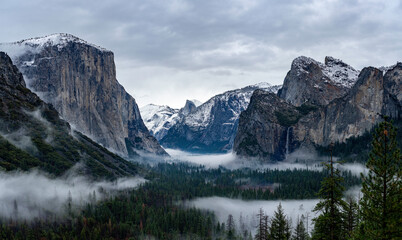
385, 69
235, 101
196, 102
28, 63
159, 119
60, 40
338, 72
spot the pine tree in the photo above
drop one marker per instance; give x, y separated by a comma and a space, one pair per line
262, 231
328, 225
300, 232
350, 217
230, 227
280, 226
381, 206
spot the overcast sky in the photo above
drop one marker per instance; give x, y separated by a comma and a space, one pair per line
167, 51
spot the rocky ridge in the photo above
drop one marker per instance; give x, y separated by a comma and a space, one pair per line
212, 126
310, 81
159, 119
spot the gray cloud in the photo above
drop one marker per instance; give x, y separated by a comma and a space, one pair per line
169, 48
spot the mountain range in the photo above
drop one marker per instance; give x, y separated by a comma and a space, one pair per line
159, 119
212, 126
317, 104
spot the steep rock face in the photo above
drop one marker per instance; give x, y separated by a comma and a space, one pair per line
79, 79
393, 92
262, 133
351, 115
188, 108
311, 81
211, 127
348, 116
33, 135
159, 119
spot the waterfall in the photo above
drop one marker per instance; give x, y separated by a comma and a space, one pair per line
287, 143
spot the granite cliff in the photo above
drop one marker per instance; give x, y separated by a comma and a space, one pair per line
273, 126
33, 135
310, 81
79, 80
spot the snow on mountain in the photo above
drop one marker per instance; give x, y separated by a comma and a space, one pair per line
60, 40
196, 102
212, 126
79, 79
340, 72
336, 70
239, 100
159, 119
385, 69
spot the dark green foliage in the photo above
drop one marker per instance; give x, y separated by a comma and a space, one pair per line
131, 215
300, 233
357, 149
280, 227
350, 218
287, 117
306, 108
328, 225
12, 157
382, 194
190, 181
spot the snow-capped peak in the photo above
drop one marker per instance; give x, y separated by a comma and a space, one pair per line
267, 87
58, 39
159, 119
302, 61
336, 70
340, 72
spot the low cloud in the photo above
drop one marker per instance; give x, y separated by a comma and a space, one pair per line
20, 139
208, 160
248, 210
34, 194
231, 161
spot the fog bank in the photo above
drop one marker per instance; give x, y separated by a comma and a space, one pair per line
34, 194
231, 161
222, 207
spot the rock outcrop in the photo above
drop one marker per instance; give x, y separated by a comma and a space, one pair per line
264, 127
79, 80
211, 127
270, 127
310, 81
33, 135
